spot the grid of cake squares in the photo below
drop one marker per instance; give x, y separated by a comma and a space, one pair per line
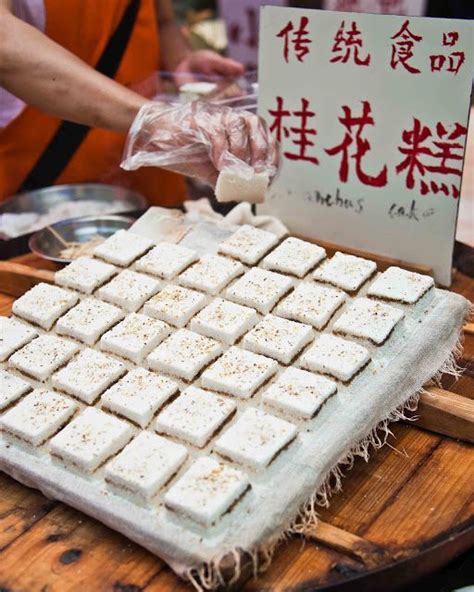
133, 327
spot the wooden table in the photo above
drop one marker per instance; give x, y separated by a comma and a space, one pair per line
407, 512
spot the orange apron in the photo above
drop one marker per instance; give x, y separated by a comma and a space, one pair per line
84, 28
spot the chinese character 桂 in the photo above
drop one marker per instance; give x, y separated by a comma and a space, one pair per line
347, 46
402, 48
298, 38
451, 62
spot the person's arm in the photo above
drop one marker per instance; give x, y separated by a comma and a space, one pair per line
47, 76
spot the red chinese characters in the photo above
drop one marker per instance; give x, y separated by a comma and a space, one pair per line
402, 48
354, 146
348, 45
298, 38
451, 62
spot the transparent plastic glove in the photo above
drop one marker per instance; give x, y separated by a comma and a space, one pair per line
200, 139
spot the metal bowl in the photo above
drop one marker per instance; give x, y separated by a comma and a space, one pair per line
80, 230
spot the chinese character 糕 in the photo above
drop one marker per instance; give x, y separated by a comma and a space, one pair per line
453, 61
299, 39
402, 48
347, 44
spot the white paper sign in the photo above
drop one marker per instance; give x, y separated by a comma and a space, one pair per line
371, 112
406, 7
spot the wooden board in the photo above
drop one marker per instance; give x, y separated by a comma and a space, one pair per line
407, 512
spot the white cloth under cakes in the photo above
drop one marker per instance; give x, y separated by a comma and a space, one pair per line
345, 271
248, 244
224, 320
84, 274
89, 320
260, 289
123, 247
294, 256
129, 290
44, 304
211, 273
399, 284
166, 260
13, 335
175, 305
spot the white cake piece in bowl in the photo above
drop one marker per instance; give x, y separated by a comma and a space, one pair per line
134, 337
42, 356
278, 338
88, 375
195, 416
299, 393
398, 284
184, 354
335, 356
368, 319
13, 335
206, 491
44, 304
123, 247
211, 274
345, 271
255, 438
129, 290
248, 244
138, 395
90, 439
294, 256
38, 416
11, 388
84, 274
88, 320
239, 373
260, 289
166, 260
224, 320
145, 464
175, 305
311, 303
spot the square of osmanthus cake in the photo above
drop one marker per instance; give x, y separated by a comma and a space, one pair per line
11, 388
195, 416
85, 274
211, 273
368, 319
90, 439
129, 290
345, 271
13, 335
88, 320
123, 247
134, 337
294, 256
138, 395
42, 356
88, 375
259, 289
255, 438
398, 284
299, 393
166, 260
44, 304
207, 490
145, 464
175, 305
38, 416
248, 244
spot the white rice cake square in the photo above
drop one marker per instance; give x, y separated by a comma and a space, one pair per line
368, 319
166, 260
335, 356
129, 290
206, 491
85, 274
42, 356
294, 256
278, 338
11, 388
345, 271
88, 375
248, 244
184, 354
38, 416
134, 337
88, 320
90, 439
238, 373
138, 395
123, 247
224, 320
255, 438
44, 304
299, 393
260, 289
211, 274
398, 284
13, 335
195, 416
175, 305
311, 303
145, 464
